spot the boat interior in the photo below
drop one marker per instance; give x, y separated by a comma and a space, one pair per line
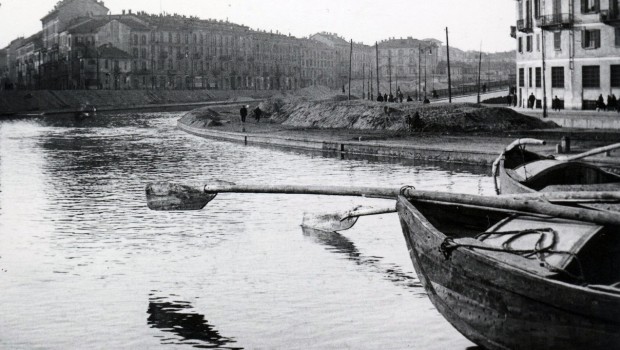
549, 175
574, 252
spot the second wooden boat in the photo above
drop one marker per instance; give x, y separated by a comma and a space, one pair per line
523, 171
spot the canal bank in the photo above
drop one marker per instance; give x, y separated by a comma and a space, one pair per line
476, 149
49, 102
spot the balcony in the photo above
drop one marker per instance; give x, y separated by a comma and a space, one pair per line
525, 26
555, 21
610, 17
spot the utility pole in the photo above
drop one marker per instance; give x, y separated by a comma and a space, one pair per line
449, 76
479, 71
390, 69
350, 67
544, 70
372, 93
419, 71
364, 81
377, 52
425, 54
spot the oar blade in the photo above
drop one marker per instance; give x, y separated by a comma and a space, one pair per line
331, 222
167, 196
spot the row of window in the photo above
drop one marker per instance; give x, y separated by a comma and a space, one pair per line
587, 7
591, 77
590, 39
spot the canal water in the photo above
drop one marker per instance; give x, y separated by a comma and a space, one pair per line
85, 264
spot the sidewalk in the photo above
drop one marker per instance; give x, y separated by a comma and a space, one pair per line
577, 118
480, 149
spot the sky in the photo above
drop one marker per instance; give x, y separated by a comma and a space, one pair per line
472, 23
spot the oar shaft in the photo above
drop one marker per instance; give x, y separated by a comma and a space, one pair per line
591, 152
574, 196
373, 192
527, 205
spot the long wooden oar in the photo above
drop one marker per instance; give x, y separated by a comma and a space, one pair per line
331, 222
341, 221
166, 196
589, 153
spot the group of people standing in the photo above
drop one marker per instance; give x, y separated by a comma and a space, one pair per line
612, 103
243, 112
398, 98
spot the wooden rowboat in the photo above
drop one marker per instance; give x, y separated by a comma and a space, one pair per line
509, 281
523, 171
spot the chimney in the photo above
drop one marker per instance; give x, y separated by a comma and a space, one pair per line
130, 11
123, 11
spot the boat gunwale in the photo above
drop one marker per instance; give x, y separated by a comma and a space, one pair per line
482, 257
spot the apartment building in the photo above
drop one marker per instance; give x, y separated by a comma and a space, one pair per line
569, 49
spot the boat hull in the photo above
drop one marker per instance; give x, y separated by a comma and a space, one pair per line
509, 185
502, 307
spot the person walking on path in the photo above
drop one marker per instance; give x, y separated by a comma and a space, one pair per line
600, 103
379, 98
531, 101
556, 104
257, 114
385, 98
244, 113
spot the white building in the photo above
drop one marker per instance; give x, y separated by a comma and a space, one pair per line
580, 42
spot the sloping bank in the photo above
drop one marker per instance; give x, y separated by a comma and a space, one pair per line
335, 120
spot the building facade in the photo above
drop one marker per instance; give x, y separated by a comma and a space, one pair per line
83, 46
569, 49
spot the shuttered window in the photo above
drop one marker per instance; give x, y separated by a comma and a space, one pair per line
521, 77
590, 6
557, 41
538, 77
591, 39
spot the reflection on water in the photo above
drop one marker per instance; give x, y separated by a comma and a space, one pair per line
338, 243
81, 253
177, 317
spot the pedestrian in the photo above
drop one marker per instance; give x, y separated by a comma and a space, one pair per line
409, 99
509, 99
243, 112
556, 104
385, 97
514, 100
426, 100
614, 102
609, 102
531, 101
600, 103
484, 88
416, 121
400, 97
257, 114
391, 98
379, 98
409, 122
